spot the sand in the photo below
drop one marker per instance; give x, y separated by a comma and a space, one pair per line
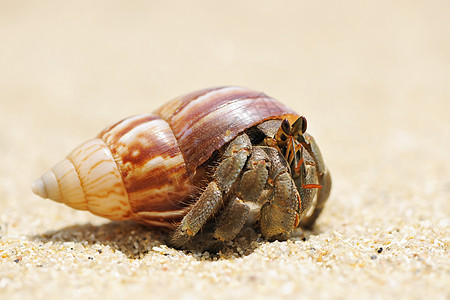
372, 79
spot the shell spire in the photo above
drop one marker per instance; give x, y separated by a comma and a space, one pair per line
88, 179
47, 187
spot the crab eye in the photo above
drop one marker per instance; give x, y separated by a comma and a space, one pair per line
304, 124
299, 126
285, 126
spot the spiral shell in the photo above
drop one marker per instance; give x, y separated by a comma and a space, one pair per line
142, 168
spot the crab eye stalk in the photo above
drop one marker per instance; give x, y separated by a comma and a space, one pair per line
283, 132
299, 126
304, 124
286, 127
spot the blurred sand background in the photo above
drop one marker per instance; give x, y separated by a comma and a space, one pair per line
372, 77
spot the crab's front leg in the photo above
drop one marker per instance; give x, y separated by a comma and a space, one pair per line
250, 186
212, 199
280, 214
231, 220
323, 179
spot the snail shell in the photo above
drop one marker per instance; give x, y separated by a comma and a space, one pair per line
143, 167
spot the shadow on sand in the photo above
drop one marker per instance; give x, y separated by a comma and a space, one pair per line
135, 240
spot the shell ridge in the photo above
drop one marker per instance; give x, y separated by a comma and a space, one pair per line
141, 173
81, 181
189, 100
178, 142
220, 97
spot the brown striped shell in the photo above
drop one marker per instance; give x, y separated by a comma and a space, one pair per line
142, 168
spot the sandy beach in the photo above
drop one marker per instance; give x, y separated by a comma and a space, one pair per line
372, 78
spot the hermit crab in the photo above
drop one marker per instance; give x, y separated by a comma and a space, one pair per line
210, 156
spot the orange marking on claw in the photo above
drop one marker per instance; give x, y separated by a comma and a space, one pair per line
311, 186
